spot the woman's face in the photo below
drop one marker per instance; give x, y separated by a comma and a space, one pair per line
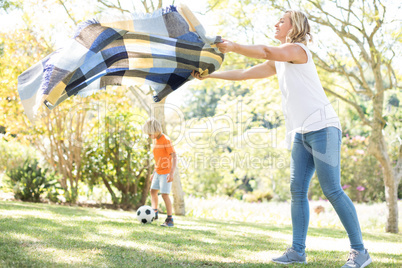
283, 27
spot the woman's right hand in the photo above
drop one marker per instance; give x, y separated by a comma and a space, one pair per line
197, 75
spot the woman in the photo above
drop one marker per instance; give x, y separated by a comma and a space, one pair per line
314, 124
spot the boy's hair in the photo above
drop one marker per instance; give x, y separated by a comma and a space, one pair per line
152, 127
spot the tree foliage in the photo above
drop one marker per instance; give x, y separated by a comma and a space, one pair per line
356, 49
118, 156
358, 54
59, 137
9, 5
13, 153
19, 50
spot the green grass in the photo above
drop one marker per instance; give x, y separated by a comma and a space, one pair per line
41, 235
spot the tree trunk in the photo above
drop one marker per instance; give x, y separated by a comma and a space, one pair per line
158, 111
378, 147
391, 197
106, 183
391, 191
391, 184
145, 190
178, 195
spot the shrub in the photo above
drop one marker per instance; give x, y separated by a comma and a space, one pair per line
29, 182
12, 154
118, 159
257, 196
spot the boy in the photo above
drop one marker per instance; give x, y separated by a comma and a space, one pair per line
165, 165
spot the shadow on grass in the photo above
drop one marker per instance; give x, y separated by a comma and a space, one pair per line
333, 258
34, 242
78, 237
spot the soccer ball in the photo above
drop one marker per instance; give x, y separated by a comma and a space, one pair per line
145, 214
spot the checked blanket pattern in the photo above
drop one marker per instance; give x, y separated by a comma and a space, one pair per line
159, 49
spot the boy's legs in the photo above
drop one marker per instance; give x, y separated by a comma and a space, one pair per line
169, 220
168, 204
154, 198
165, 191
165, 188
155, 186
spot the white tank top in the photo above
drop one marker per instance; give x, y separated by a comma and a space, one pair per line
304, 103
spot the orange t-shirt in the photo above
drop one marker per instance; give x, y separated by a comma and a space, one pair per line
163, 149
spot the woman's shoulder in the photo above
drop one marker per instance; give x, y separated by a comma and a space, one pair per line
306, 50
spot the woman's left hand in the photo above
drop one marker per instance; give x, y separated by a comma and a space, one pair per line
226, 46
197, 75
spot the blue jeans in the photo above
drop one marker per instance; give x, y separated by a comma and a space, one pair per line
320, 151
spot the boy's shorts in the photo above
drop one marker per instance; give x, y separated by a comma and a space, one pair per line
159, 182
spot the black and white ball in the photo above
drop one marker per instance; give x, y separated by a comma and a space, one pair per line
145, 214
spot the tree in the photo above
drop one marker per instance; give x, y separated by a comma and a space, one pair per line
58, 136
155, 110
365, 59
18, 51
9, 5
55, 136
117, 155
356, 63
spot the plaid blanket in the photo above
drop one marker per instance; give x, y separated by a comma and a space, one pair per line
159, 49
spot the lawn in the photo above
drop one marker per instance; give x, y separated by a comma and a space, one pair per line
43, 235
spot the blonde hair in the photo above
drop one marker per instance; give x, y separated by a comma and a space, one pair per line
300, 32
152, 127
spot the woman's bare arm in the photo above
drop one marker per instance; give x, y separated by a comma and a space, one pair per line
259, 71
287, 52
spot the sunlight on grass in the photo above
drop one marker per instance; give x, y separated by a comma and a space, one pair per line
191, 225
279, 213
24, 238
63, 256
261, 256
41, 235
116, 214
24, 213
330, 244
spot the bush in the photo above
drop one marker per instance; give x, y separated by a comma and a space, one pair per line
118, 159
30, 181
257, 196
13, 153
